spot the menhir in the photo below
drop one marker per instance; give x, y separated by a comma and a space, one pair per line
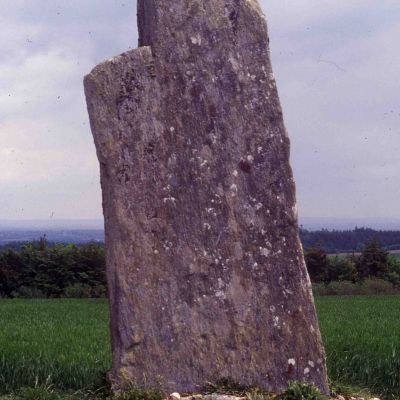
205, 269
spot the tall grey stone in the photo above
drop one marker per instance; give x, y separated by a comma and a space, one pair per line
205, 269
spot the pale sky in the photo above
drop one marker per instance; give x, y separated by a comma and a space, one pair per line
337, 64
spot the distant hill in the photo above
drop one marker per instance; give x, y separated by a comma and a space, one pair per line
58, 236
335, 235
345, 241
59, 231
312, 223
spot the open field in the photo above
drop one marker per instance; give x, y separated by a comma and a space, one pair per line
67, 340
362, 340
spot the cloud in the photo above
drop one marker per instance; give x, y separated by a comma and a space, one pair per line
48, 159
336, 71
336, 64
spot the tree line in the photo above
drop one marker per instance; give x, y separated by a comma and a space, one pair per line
348, 240
373, 263
40, 269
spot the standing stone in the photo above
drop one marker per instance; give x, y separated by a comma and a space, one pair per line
205, 269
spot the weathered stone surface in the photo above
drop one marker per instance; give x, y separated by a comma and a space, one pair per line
205, 269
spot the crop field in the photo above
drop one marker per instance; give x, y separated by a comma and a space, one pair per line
66, 342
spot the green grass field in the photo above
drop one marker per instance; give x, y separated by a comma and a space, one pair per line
67, 340
362, 340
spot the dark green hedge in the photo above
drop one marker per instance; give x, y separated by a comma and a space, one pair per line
40, 270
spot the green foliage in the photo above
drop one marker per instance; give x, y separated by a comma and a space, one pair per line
26, 292
301, 391
374, 261
11, 266
321, 268
393, 275
372, 272
317, 263
38, 270
38, 392
341, 269
257, 394
345, 288
78, 291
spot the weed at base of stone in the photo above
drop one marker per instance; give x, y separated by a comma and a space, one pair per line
301, 391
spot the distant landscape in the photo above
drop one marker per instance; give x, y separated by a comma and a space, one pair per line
59, 236
336, 236
59, 231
